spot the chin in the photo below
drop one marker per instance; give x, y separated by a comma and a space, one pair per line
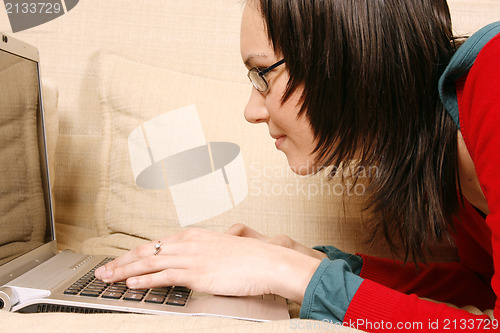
301, 167
301, 172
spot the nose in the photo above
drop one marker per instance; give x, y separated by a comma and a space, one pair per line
256, 111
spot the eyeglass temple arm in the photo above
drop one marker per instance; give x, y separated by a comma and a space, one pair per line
270, 68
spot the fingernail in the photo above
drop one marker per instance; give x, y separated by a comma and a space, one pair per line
98, 272
107, 274
131, 282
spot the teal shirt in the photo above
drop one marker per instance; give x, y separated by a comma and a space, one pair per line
355, 262
332, 286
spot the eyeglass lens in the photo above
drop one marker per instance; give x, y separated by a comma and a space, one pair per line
257, 80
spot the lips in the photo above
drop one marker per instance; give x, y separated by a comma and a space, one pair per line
279, 140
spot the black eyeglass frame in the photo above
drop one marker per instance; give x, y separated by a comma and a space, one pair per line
261, 74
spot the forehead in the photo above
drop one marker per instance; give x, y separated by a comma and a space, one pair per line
253, 38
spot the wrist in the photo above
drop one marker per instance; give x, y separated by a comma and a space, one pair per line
292, 273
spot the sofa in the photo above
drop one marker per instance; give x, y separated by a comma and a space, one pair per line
113, 68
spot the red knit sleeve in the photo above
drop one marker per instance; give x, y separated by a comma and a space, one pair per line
387, 299
378, 308
451, 282
480, 125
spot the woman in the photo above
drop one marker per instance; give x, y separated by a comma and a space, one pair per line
343, 80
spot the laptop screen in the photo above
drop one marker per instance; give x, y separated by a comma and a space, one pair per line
25, 210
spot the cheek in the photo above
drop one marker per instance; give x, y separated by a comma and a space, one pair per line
284, 114
275, 94
274, 107
299, 128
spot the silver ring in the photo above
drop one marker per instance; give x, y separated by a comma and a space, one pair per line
158, 247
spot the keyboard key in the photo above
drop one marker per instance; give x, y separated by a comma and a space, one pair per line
179, 294
158, 293
117, 288
176, 302
174, 296
71, 291
90, 293
152, 298
138, 291
79, 288
133, 297
78, 285
95, 289
96, 281
85, 279
97, 285
112, 295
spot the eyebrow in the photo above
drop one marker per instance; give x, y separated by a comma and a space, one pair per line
253, 56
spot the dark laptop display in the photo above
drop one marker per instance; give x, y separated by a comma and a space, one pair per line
24, 199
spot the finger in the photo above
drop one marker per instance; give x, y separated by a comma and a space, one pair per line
288, 242
129, 257
242, 230
151, 264
148, 249
142, 251
283, 240
168, 277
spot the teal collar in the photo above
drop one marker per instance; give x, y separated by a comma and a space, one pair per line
460, 64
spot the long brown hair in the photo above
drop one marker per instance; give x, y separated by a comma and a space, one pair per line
370, 71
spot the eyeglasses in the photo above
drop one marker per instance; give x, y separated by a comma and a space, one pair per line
258, 79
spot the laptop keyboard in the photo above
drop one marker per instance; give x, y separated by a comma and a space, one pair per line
89, 286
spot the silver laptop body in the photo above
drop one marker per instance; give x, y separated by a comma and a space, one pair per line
34, 277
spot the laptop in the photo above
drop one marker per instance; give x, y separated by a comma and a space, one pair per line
34, 276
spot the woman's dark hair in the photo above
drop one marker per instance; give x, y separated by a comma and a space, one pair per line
370, 71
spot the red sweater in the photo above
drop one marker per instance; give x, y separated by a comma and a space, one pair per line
387, 299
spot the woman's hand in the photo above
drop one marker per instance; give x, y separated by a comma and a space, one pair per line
215, 263
242, 230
